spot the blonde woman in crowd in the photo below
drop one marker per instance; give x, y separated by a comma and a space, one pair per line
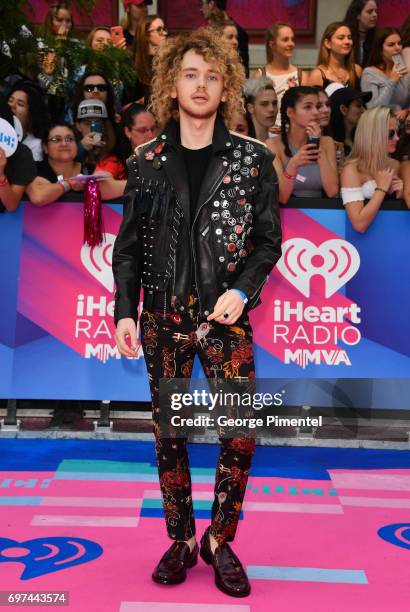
370, 174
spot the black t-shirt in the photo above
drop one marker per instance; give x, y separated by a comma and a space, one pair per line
129, 39
196, 162
45, 171
21, 167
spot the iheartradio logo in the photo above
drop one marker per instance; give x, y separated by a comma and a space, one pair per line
336, 260
98, 261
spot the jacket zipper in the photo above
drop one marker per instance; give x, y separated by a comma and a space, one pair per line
214, 187
173, 296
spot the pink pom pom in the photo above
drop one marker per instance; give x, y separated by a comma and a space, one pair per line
93, 222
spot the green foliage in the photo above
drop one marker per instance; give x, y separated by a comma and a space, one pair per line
113, 62
12, 17
26, 48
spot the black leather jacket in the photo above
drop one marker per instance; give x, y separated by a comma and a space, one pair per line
233, 241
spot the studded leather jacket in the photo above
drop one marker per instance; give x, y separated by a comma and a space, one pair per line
232, 242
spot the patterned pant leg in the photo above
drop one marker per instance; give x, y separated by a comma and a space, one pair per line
169, 353
228, 354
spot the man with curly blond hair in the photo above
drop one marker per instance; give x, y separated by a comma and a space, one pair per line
200, 234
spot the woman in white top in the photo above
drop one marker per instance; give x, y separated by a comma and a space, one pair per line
369, 172
280, 43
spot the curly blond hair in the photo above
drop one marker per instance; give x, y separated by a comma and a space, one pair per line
167, 64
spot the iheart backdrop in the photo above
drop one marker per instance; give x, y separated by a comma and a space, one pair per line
333, 328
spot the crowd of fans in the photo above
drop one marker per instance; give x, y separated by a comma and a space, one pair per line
342, 128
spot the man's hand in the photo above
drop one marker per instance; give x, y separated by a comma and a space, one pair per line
126, 328
229, 303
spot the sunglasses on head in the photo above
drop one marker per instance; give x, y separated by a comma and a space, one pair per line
90, 87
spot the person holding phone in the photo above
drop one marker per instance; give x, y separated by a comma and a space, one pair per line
99, 38
99, 140
387, 76
305, 160
117, 37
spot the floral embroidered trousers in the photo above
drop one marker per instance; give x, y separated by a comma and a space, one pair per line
170, 341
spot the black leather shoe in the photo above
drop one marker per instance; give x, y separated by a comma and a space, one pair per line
174, 563
230, 577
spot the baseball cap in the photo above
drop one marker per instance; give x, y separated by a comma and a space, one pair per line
92, 109
340, 94
128, 3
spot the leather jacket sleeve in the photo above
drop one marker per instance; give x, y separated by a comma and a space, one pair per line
266, 236
127, 252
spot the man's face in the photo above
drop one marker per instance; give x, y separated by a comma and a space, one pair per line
138, 11
84, 125
199, 87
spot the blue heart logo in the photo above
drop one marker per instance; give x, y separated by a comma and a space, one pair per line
47, 555
397, 534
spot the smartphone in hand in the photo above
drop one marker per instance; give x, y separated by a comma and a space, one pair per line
97, 128
399, 61
117, 35
313, 140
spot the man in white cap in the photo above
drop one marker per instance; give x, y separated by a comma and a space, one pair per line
92, 125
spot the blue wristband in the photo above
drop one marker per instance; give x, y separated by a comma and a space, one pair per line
242, 294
